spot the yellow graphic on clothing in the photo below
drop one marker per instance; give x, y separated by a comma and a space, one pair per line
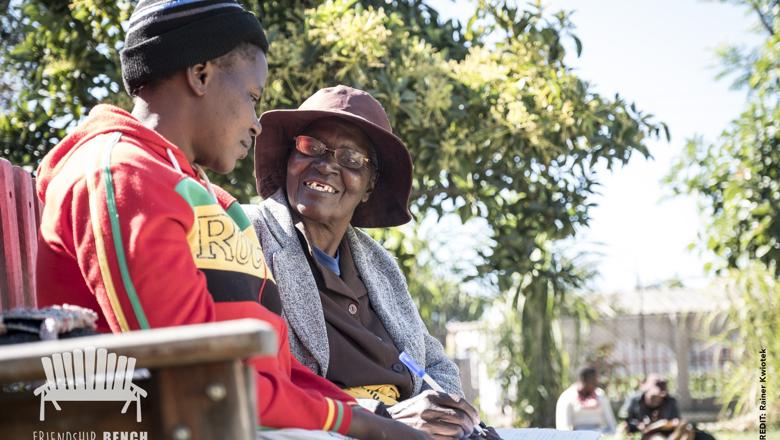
217, 243
387, 394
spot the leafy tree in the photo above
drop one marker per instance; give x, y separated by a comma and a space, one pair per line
526, 346
440, 297
750, 329
498, 126
738, 177
737, 180
59, 59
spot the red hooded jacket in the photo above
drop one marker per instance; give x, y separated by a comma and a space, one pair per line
130, 230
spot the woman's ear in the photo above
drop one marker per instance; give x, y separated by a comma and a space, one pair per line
371, 184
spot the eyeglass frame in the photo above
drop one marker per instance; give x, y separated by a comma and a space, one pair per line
366, 159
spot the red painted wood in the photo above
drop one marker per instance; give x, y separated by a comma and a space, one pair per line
38, 205
26, 201
11, 286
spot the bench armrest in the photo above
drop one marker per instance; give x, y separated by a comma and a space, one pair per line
183, 345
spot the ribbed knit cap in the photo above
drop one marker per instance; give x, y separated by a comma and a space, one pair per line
167, 35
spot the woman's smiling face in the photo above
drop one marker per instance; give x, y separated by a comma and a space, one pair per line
320, 189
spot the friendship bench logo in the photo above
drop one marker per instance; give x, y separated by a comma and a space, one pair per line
89, 375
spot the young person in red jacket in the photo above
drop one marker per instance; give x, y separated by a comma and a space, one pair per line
133, 229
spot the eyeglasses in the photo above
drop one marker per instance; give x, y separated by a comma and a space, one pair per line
346, 157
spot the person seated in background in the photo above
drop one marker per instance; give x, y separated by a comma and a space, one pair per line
654, 414
584, 406
324, 170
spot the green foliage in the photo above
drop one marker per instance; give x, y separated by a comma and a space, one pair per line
58, 61
737, 180
498, 126
707, 385
751, 325
526, 355
743, 435
440, 298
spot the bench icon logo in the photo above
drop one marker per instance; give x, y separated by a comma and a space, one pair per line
89, 375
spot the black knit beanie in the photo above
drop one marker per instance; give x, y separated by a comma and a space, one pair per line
167, 35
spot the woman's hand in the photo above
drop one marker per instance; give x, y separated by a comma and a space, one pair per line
368, 426
442, 415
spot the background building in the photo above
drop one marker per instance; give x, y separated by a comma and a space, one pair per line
670, 331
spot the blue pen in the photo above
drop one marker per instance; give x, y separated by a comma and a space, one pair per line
411, 364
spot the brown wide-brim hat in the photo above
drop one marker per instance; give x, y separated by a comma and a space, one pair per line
388, 203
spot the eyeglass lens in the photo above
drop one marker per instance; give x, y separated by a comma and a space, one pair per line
345, 157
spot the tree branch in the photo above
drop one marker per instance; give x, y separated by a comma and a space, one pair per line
765, 19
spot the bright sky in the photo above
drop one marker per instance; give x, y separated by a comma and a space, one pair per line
659, 54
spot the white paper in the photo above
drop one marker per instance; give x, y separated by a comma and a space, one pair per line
546, 434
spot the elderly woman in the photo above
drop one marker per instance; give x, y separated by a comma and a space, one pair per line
324, 170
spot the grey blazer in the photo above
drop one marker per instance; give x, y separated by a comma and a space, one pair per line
387, 291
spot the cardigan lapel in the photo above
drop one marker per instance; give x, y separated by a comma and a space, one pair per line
367, 255
301, 302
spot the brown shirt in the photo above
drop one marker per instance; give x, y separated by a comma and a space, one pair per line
361, 350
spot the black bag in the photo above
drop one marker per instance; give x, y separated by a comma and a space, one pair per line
50, 323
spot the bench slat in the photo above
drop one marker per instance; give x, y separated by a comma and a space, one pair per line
38, 203
119, 373
11, 285
184, 345
63, 395
26, 203
89, 368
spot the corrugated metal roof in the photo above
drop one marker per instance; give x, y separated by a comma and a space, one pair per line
664, 300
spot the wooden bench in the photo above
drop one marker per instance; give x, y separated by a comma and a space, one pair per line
198, 386
20, 214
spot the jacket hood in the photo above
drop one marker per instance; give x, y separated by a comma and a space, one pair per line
101, 120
